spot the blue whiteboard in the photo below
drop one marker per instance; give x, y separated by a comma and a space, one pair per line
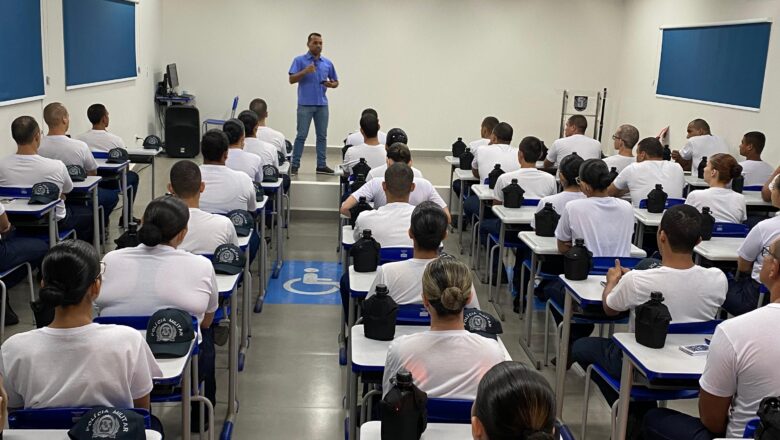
21, 57
721, 64
99, 41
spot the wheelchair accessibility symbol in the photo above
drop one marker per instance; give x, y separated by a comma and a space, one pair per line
311, 284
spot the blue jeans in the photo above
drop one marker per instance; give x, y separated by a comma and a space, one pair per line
16, 249
742, 296
667, 424
305, 114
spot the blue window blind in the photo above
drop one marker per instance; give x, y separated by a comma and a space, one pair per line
721, 64
21, 58
99, 41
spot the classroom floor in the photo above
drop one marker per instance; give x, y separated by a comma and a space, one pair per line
292, 386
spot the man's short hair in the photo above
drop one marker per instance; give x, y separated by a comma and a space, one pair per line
399, 153
503, 132
651, 146
531, 147
701, 124
234, 130
682, 225
250, 121
755, 139
489, 123
370, 125
185, 178
259, 106
399, 178
313, 34
428, 225
628, 134
214, 145
54, 113
397, 135
579, 122
369, 111
24, 129
95, 113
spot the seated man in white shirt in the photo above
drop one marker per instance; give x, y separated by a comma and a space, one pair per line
389, 224
265, 133
692, 293
226, 189
741, 370
356, 137
756, 171
259, 147
574, 141
701, 143
650, 169
371, 149
238, 159
624, 139
485, 130
25, 168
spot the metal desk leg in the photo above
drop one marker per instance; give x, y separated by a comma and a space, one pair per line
126, 208
626, 382
640, 236
232, 408
452, 188
461, 219
497, 299
563, 355
352, 387
53, 226
263, 264
529, 312
279, 237
479, 237
186, 396
245, 299
95, 219
154, 158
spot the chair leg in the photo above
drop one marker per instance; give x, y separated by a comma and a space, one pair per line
547, 313
586, 401
614, 416
3, 293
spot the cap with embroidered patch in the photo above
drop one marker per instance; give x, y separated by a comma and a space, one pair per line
77, 173
152, 142
43, 193
229, 259
109, 423
117, 155
270, 173
482, 323
242, 221
169, 333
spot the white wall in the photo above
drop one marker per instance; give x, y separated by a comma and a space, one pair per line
434, 68
635, 100
130, 104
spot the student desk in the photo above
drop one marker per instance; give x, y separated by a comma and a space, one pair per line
262, 259
121, 170
278, 211
644, 219
506, 216
484, 194
227, 285
753, 200
463, 176
543, 246
89, 186
718, 249
59, 434
359, 285
347, 240
20, 206
434, 431
694, 181
144, 156
655, 364
454, 164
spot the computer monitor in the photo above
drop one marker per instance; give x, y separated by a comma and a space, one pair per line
173, 76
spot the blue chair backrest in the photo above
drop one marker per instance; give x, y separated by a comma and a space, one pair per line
449, 410
564, 431
695, 328
57, 418
669, 203
729, 230
602, 264
100, 154
390, 254
752, 188
235, 104
412, 314
530, 202
750, 428
15, 192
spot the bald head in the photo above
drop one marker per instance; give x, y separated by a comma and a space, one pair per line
55, 115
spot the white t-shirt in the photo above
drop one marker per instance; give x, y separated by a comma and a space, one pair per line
356, 138
266, 152
475, 144
586, 147
641, 177
619, 162
380, 172
273, 137
704, 292
445, 364
207, 231
375, 155
69, 151
742, 363
226, 190
142, 280
248, 163
535, 183
725, 205
404, 281
756, 172
605, 223
91, 365
389, 224
698, 146
24, 171
423, 192
487, 156
558, 201
101, 140
762, 234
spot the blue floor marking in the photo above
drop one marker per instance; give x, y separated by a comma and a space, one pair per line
306, 282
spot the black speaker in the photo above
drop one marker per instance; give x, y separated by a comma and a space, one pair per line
182, 131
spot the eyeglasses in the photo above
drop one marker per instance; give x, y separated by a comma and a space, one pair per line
577, 179
615, 137
102, 271
765, 251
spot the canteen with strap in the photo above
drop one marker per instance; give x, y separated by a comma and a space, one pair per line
546, 220
458, 147
656, 199
769, 419
738, 184
651, 321
613, 173
701, 167
354, 212
365, 253
707, 223
362, 167
465, 159
403, 411
379, 313
577, 261
667, 153
513, 195
494, 175
356, 184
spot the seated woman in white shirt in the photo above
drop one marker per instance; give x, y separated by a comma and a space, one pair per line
446, 361
725, 205
74, 362
513, 402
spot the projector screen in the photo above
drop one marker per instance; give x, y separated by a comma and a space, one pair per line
21, 59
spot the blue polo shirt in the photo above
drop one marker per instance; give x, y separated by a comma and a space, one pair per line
310, 89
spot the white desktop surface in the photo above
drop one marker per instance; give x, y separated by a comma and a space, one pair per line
87, 184
647, 218
590, 289
719, 248
667, 360
549, 245
226, 283
482, 191
514, 216
464, 175
360, 281
434, 431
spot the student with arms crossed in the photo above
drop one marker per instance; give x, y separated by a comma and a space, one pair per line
725, 205
574, 141
650, 169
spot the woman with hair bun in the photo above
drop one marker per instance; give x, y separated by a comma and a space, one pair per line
513, 402
446, 361
74, 362
725, 205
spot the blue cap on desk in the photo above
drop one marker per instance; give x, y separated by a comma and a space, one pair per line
242, 221
43, 193
169, 333
229, 259
77, 173
482, 323
109, 423
152, 142
117, 155
270, 173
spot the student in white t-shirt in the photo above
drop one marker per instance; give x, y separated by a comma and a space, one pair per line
568, 171
741, 370
238, 159
701, 142
226, 189
756, 171
264, 150
624, 140
498, 152
639, 178
485, 130
446, 361
574, 141
692, 293
725, 205
265, 133
73, 362
389, 224
371, 149
357, 138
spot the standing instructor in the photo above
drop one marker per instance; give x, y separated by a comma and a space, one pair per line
314, 75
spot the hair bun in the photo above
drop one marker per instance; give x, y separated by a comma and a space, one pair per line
150, 234
452, 298
51, 296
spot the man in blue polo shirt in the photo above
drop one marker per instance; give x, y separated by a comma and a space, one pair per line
314, 74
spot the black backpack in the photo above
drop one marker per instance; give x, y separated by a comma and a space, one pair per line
365, 253
403, 411
379, 312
